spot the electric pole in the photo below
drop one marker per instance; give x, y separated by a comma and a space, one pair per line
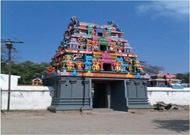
9, 45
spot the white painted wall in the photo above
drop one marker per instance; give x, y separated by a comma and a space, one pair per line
169, 95
39, 97
4, 80
28, 98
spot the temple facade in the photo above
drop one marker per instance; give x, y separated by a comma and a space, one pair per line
94, 67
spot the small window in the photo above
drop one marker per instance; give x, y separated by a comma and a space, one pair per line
100, 34
103, 47
107, 67
113, 34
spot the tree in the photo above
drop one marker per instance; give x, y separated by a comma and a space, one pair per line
4, 58
27, 70
150, 69
4, 54
183, 76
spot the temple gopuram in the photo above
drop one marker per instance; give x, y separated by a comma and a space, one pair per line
95, 56
164, 80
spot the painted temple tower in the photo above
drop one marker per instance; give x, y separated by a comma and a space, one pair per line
94, 67
94, 50
164, 79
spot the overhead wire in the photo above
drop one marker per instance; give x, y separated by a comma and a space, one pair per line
10, 36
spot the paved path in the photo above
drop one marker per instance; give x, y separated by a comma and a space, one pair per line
96, 122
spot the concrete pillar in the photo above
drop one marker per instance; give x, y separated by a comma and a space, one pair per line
108, 93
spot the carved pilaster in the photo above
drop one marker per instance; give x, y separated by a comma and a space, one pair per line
128, 83
72, 81
137, 83
86, 82
62, 81
145, 83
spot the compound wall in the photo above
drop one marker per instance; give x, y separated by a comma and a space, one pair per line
169, 95
40, 97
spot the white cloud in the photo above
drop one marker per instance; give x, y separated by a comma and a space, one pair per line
165, 8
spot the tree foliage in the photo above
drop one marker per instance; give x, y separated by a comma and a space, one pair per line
183, 76
150, 69
27, 70
4, 58
4, 54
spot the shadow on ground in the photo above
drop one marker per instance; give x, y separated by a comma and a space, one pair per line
176, 125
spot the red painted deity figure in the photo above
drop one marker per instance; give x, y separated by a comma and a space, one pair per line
106, 34
92, 32
50, 69
79, 65
118, 66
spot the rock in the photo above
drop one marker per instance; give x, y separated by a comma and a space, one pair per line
163, 106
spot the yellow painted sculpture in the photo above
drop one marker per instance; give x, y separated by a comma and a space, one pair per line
88, 74
128, 75
95, 65
69, 65
88, 43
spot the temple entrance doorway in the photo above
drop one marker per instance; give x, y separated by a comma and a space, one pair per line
100, 95
109, 94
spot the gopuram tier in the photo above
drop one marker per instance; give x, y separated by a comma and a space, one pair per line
94, 50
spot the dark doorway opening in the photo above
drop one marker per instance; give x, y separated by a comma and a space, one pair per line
107, 93
103, 47
100, 96
107, 67
100, 34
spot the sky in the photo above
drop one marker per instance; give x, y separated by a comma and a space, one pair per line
158, 31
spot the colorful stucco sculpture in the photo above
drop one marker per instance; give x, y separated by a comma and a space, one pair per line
96, 49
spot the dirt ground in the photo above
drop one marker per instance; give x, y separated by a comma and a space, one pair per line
99, 121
